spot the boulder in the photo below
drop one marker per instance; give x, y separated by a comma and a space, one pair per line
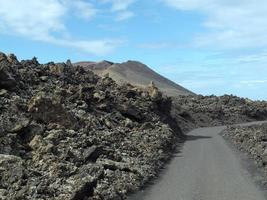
130, 111
12, 59
36, 142
3, 194
154, 92
3, 92
57, 69
21, 124
11, 171
50, 110
92, 153
129, 123
7, 81
81, 185
113, 165
2, 57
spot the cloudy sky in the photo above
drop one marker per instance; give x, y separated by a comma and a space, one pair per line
208, 46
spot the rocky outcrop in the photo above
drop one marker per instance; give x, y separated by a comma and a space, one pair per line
66, 133
50, 110
252, 140
212, 110
7, 81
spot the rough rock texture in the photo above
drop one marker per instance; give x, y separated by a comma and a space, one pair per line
66, 133
251, 140
212, 110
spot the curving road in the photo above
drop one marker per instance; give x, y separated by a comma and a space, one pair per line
206, 169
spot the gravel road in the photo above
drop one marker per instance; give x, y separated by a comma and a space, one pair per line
206, 169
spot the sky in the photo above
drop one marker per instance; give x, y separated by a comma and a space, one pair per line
208, 46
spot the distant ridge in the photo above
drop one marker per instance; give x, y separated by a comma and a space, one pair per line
135, 73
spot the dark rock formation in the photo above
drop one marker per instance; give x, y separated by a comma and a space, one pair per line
7, 81
252, 140
212, 110
66, 133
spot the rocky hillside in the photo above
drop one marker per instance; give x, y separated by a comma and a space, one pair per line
137, 74
251, 140
206, 111
66, 133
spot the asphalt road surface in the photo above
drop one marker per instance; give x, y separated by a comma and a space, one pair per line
206, 169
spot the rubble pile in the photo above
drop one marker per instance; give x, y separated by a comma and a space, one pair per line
220, 110
252, 140
66, 133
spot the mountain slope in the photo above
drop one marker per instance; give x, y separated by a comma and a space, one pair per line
136, 73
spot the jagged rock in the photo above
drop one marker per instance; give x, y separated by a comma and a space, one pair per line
113, 165
44, 78
82, 184
7, 81
11, 171
250, 139
129, 123
12, 59
23, 123
264, 156
99, 96
131, 111
78, 136
227, 109
2, 56
92, 153
3, 92
3, 194
36, 142
153, 91
147, 125
108, 123
85, 94
131, 93
57, 69
50, 110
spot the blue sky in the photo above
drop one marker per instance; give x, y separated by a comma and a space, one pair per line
208, 46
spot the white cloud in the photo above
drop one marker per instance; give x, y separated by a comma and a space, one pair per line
259, 57
97, 47
186, 4
41, 20
252, 82
84, 9
121, 8
232, 24
32, 18
124, 15
121, 5
160, 45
